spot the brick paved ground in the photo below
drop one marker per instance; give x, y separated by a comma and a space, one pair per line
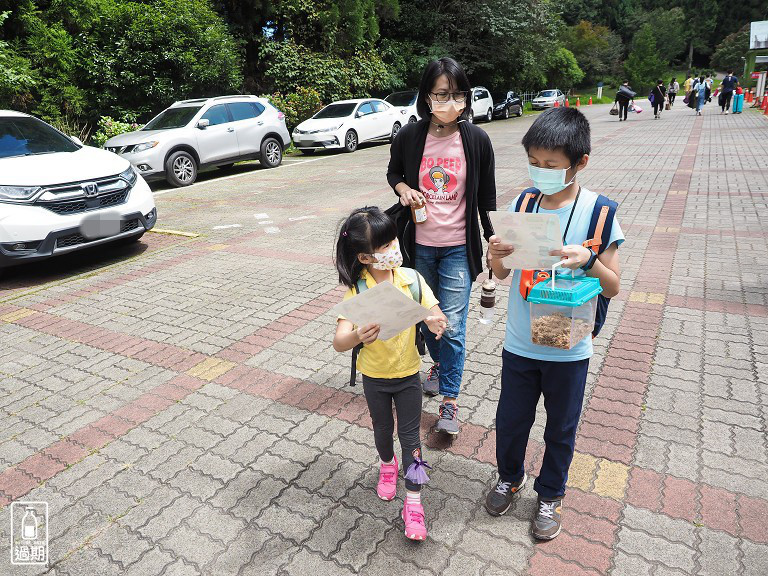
180, 408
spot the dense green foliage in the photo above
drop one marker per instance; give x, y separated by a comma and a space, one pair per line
76, 61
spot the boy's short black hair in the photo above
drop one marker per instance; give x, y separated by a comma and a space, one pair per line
564, 129
456, 76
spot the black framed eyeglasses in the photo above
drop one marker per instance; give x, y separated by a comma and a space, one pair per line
443, 97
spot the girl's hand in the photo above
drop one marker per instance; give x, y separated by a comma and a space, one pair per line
575, 256
368, 333
411, 197
437, 325
497, 250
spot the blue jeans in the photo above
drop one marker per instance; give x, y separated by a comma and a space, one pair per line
446, 271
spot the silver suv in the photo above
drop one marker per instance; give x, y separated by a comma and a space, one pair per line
195, 134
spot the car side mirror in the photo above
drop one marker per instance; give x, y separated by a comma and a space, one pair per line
77, 140
203, 123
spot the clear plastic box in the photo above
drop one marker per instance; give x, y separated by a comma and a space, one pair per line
563, 310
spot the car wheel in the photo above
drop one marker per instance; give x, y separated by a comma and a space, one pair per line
180, 169
395, 130
271, 153
350, 141
471, 117
308, 151
506, 113
412, 120
489, 115
519, 110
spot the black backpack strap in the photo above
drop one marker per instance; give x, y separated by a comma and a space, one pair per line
416, 295
356, 350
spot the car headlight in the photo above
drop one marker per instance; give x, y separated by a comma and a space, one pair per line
129, 175
18, 193
144, 146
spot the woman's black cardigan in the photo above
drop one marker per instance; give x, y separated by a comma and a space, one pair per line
404, 163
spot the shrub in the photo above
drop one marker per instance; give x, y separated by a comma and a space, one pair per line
297, 106
109, 127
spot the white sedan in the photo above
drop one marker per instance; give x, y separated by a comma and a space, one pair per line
346, 124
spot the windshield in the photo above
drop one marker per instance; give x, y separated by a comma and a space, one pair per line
173, 118
24, 136
336, 111
402, 98
499, 96
547, 94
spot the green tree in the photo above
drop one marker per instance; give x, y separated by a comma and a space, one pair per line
597, 49
701, 20
644, 66
16, 77
563, 71
668, 27
730, 52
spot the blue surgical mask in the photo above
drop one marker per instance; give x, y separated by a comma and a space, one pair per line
549, 180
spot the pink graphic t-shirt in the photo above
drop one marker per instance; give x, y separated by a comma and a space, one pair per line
442, 180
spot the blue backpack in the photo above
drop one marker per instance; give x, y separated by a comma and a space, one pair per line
598, 236
415, 287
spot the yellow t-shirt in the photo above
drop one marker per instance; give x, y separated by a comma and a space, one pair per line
396, 357
687, 85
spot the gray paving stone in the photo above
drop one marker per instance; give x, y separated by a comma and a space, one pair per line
192, 546
152, 562
626, 565
660, 525
656, 549
718, 553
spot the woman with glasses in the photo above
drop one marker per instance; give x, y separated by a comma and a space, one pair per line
446, 249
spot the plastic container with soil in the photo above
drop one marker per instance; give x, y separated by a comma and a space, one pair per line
563, 310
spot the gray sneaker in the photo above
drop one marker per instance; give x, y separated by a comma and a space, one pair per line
449, 419
546, 525
498, 500
431, 385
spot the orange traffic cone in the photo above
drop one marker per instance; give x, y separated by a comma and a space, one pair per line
748, 96
590, 101
578, 102
567, 102
557, 104
764, 105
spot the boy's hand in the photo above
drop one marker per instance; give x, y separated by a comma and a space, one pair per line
575, 256
437, 325
368, 333
498, 250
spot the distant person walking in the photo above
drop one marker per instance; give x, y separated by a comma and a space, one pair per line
699, 95
688, 86
658, 97
672, 90
624, 96
727, 86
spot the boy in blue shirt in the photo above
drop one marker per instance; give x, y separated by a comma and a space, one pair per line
558, 147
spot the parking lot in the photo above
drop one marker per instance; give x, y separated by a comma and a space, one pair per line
179, 406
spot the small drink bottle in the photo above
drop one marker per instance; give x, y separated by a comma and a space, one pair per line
488, 299
419, 212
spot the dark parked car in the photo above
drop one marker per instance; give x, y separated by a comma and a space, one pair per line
506, 104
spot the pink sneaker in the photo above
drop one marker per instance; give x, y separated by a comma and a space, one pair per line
413, 516
387, 487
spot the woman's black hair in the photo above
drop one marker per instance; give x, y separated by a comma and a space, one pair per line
456, 77
362, 232
564, 129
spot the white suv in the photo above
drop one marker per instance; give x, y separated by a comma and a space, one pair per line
57, 196
481, 104
195, 134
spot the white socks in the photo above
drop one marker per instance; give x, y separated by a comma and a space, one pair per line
413, 497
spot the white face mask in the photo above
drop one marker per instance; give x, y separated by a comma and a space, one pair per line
549, 180
390, 259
